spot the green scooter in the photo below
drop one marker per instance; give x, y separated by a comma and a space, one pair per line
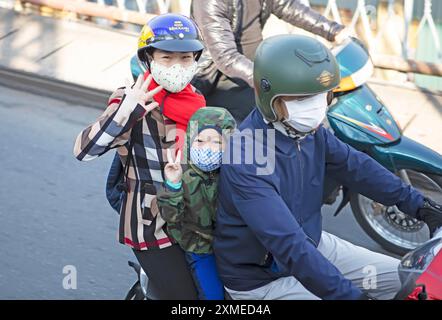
359, 118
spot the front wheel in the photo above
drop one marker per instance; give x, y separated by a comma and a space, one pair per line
390, 228
135, 293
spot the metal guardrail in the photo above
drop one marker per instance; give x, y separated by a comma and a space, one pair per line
96, 10
120, 13
363, 12
390, 62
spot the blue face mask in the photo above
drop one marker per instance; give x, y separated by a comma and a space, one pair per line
206, 159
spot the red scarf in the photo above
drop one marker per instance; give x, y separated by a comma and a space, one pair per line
178, 107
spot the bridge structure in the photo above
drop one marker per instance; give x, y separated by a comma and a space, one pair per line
82, 62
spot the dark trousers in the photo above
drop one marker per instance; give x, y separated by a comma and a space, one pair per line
168, 273
205, 276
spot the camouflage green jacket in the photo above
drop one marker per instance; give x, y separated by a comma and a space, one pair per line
190, 211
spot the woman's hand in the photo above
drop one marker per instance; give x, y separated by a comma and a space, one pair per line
139, 93
173, 171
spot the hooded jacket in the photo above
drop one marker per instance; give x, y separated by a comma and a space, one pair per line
190, 211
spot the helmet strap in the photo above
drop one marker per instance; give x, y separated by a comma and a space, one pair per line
287, 130
293, 133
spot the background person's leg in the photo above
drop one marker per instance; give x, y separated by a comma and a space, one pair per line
287, 288
375, 273
169, 272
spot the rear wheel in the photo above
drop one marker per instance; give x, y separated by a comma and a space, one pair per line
389, 227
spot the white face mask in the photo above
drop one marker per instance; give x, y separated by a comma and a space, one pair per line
306, 115
174, 78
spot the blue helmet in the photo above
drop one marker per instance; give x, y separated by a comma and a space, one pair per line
169, 32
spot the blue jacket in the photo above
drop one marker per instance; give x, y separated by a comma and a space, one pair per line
269, 225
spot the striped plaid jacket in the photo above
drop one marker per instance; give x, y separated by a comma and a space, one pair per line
141, 226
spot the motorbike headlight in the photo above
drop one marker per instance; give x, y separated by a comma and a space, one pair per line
419, 259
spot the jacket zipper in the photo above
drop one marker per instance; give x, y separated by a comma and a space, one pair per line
300, 162
302, 182
298, 152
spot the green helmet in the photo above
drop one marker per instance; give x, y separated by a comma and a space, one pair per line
292, 65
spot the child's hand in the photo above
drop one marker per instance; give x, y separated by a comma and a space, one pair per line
173, 171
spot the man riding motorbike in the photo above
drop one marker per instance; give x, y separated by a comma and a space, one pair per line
269, 242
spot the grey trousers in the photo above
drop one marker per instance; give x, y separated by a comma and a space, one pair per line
374, 273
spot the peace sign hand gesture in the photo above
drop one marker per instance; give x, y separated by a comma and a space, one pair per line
173, 171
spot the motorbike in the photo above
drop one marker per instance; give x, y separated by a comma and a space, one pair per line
420, 272
142, 288
358, 117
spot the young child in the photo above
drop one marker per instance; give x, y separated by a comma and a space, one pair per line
188, 200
